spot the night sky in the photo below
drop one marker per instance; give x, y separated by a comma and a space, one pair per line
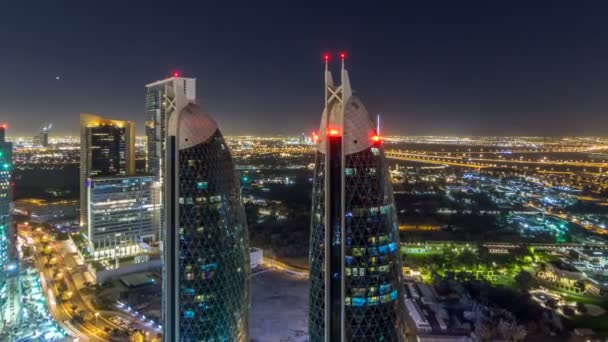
453, 67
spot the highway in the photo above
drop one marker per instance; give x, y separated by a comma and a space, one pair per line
483, 162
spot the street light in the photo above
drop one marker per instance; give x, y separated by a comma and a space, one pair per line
96, 317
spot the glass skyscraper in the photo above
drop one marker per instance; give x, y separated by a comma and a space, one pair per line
106, 149
6, 165
121, 214
206, 254
164, 98
355, 292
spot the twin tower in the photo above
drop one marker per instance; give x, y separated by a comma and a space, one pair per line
355, 292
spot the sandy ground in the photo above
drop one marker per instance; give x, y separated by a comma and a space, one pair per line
279, 308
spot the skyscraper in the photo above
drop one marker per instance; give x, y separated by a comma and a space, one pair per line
122, 213
164, 98
6, 164
42, 138
206, 255
106, 149
354, 256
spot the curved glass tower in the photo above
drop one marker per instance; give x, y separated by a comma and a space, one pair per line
206, 273
355, 292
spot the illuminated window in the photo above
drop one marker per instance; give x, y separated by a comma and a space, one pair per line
188, 314
358, 301
201, 185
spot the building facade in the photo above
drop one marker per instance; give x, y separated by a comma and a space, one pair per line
42, 211
164, 98
355, 292
206, 254
122, 215
6, 165
106, 149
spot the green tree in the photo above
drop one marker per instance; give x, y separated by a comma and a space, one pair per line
525, 281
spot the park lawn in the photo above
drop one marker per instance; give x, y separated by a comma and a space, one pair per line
581, 298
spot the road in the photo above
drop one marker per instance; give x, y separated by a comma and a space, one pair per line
61, 310
483, 162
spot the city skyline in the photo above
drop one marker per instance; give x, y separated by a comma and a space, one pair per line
459, 191
529, 70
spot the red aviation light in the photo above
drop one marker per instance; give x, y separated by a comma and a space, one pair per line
376, 139
334, 132
342, 55
326, 57
3, 125
176, 74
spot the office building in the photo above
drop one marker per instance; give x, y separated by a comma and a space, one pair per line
122, 215
46, 212
6, 165
355, 292
118, 209
206, 254
106, 149
164, 98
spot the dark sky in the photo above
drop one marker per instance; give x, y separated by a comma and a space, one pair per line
454, 67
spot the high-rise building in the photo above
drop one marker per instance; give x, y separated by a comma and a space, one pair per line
164, 98
122, 214
6, 164
206, 255
42, 138
355, 292
106, 149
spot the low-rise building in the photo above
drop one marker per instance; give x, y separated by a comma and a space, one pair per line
43, 212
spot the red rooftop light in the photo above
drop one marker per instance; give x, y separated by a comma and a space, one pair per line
376, 138
326, 57
334, 132
175, 74
5, 126
342, 54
